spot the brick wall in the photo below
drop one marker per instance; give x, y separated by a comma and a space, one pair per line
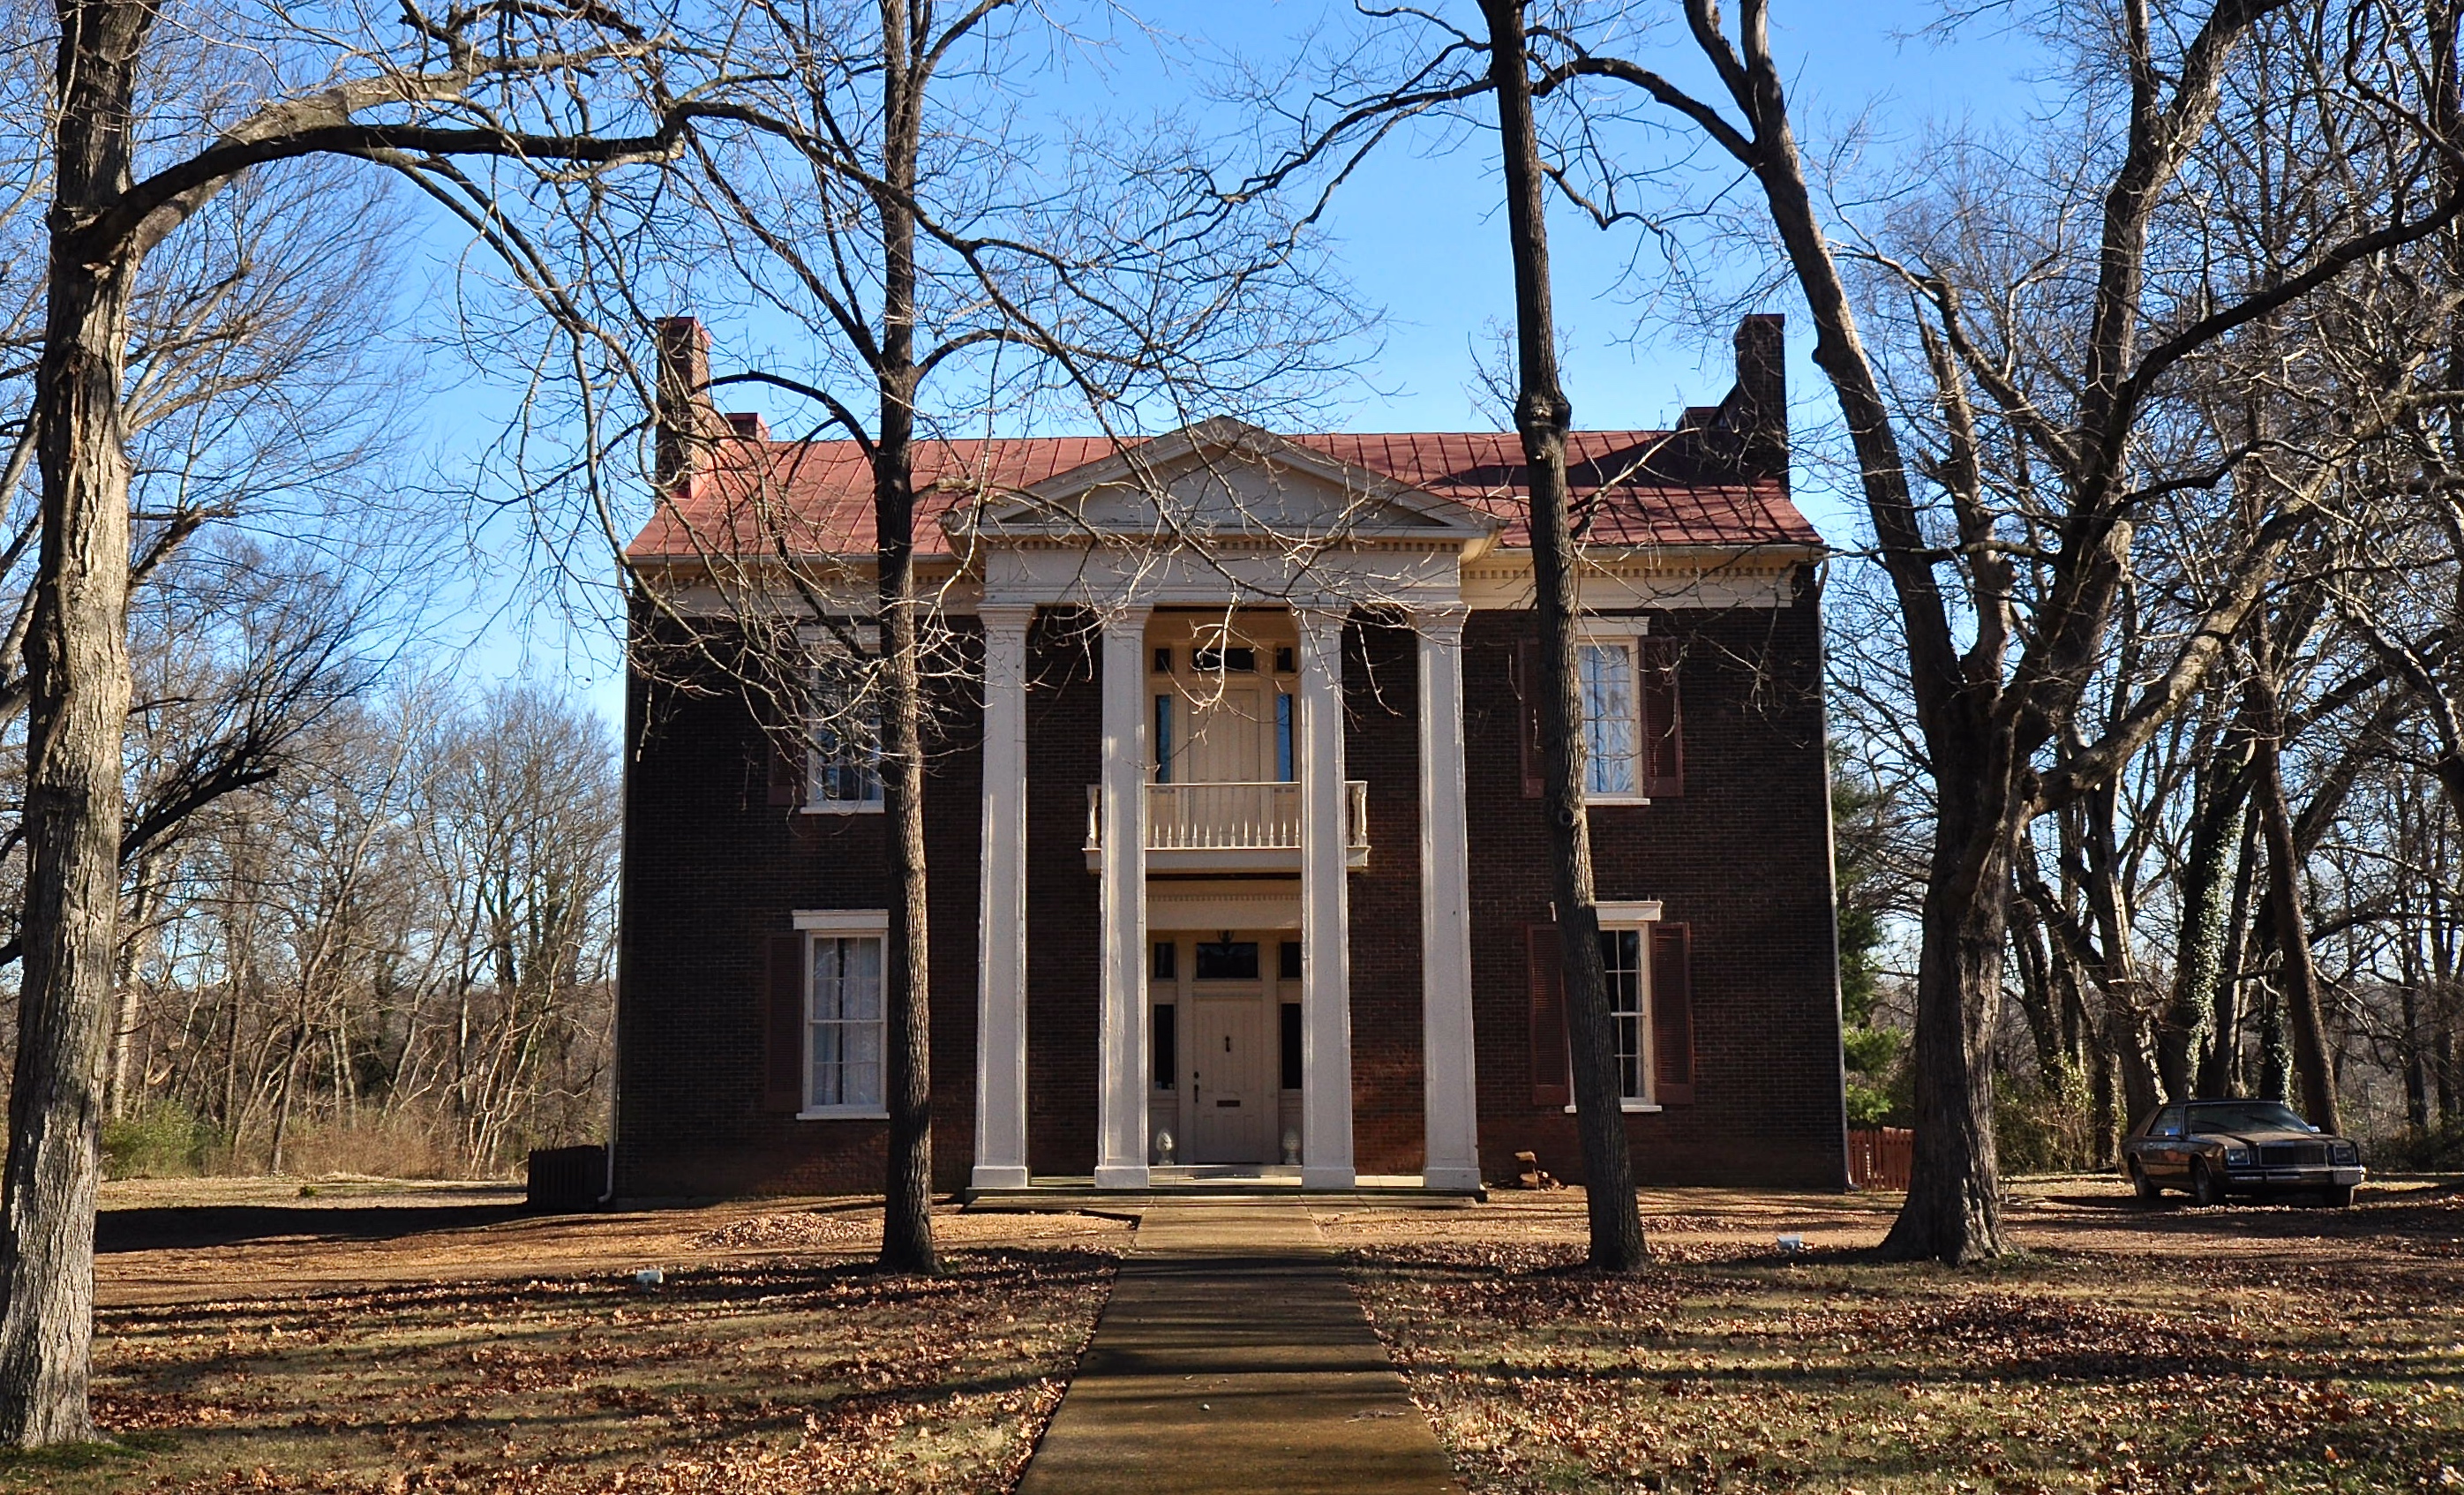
1064, 725
1743, 859
710, 871
1381, 744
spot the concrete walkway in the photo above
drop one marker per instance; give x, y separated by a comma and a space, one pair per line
1233, 1357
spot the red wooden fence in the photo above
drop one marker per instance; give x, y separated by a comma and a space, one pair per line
1880, 1158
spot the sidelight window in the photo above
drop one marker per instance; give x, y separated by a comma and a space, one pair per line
1621, 957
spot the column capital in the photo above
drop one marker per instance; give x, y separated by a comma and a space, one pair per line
1442, 622
1320, 627
1121, 617
1324, 613
1014, 617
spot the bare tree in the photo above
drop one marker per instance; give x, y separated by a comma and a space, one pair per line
1543, 415
2035, 588
955, 280
399, 960
122, 182
1441, 69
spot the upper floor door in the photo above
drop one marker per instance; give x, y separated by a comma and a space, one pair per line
1223, 706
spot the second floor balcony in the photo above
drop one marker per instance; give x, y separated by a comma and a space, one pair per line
1230, 827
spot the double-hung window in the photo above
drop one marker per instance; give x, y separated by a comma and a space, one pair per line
842, 1042
846, 756
1611, 729
1633, 740
1649, 966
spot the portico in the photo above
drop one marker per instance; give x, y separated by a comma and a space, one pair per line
1224, 830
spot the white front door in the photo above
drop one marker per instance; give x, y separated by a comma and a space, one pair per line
1231, 1093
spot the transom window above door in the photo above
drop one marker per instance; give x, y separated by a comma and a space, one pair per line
1225, 659
1225, 961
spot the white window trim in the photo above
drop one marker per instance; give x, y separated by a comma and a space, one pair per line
1630, 632
1637, 913
838, 924
822, 640
843, 921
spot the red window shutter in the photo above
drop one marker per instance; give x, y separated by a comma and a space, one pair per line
1672, 1016
1663, 724
783, 1026
1526, 717
1551, 1072
786, 772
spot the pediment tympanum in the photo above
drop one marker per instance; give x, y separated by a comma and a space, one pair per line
1224, 480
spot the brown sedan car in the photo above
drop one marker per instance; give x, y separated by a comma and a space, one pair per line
2213, 1150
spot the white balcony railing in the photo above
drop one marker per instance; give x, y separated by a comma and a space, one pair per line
1232, 817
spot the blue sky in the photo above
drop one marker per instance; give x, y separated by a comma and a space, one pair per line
1422, 239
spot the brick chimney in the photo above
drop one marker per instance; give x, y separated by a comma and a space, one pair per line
687, 421
1757, 410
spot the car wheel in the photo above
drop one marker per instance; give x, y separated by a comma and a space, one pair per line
2148, 1190
2338, 1198
2206, 1188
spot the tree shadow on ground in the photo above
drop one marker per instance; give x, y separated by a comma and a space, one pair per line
197, 1228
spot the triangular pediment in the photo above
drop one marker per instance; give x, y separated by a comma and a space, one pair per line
1226, 479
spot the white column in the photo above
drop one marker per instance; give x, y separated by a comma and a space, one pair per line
1451, 1144
1121, 1079
1000, 959
1326, 934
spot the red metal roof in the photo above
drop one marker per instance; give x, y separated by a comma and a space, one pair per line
818, 497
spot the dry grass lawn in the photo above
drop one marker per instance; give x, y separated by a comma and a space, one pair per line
2124, 1350
392, 1339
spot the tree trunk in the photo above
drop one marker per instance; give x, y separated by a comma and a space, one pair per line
2038, 999
76, 657
2128, 1011
2275, 1061
1953, 1211
123, 981
907, 1206
2103, 1134
2220, 1062
1541, 415
2443, 1057
2416, 1064
287, 1085
2198, 964
2298, 975
2125, 1043
907, 1202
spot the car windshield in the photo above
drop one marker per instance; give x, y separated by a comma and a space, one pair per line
2245, 1116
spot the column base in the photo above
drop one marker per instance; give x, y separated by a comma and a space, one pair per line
987, 1176
1120, 1176
1460, 1180
1329, 1177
